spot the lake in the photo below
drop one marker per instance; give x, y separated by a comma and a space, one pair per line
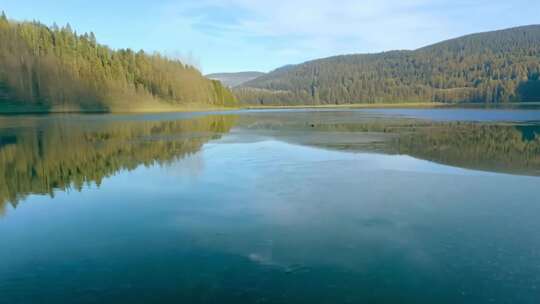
272, 206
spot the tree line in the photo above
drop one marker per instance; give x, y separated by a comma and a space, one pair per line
53, 67
493, 67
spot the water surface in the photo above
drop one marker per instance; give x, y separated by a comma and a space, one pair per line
298, 206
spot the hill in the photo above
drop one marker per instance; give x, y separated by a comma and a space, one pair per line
54, 69
235, 79
499, 66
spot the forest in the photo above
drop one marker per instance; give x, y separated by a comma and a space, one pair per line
53, 68
492, 67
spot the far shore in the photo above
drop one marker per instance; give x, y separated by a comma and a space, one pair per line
15, 110
355, 106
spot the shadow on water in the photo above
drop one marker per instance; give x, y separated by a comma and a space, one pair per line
529, 91
529, 132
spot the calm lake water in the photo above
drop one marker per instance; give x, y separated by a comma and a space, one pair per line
297, 206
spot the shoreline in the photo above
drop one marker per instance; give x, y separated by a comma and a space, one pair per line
198, 108
141, 110
356, 106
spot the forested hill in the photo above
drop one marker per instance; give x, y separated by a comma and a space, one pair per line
500, 66
55, 69
235, 79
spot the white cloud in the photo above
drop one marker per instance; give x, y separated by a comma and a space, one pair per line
298, 30
231, 35
376, 24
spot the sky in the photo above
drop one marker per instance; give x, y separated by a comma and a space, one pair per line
261, 35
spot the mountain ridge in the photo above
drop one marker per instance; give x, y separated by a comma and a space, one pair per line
235, 79
494, 66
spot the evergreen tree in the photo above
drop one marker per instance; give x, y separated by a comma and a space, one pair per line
55, 68
490, 67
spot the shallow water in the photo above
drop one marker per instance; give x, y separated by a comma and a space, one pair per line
349, 206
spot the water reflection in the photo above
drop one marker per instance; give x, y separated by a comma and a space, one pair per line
39, 156
268, 208
503, 147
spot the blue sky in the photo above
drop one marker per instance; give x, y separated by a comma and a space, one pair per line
239, 35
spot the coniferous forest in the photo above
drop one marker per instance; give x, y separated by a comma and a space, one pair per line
493, 67
53, 68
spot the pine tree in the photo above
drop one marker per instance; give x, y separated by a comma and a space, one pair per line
53, 67
487, 67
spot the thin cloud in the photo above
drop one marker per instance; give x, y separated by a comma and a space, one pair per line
375, 24
306, 29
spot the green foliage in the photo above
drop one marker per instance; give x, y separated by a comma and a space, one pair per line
501, 66
51, 67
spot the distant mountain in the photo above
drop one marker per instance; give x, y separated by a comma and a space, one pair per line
54, 69
235, 79
499, 66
